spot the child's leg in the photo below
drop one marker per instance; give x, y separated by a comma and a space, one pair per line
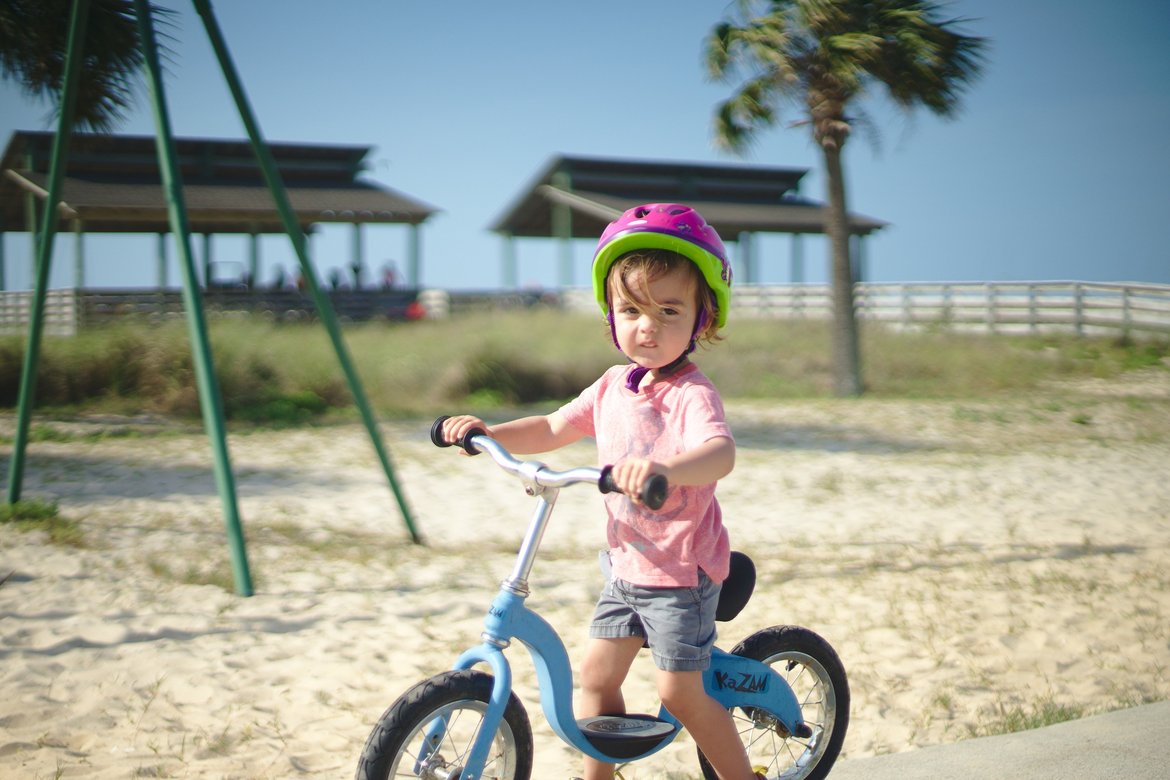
603, 670
707, 722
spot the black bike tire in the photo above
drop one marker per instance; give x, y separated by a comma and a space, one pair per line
418, 706
778, 640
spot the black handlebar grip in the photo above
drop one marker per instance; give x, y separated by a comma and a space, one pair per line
437, 431
438, 440
653, 492
606, 483
465, 442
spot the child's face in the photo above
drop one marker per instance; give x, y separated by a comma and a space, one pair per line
653, 335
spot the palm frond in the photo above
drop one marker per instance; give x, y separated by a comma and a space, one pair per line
738, 118
33, 41
831, 52
717, 51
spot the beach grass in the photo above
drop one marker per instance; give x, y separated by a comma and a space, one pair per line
43, 516
1011, 718
288, 374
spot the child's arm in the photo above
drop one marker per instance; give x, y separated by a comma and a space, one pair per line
709, 462
540, 433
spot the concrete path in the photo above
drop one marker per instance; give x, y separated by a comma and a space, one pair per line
1132, 744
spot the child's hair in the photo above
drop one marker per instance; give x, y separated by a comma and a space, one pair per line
651, 264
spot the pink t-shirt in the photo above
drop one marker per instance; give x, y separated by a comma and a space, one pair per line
667, 547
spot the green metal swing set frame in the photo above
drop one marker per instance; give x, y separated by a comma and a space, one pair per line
209, 394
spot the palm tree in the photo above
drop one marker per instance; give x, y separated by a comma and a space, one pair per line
823, 56
33, 39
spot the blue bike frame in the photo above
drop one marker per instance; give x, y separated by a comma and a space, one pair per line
731, 680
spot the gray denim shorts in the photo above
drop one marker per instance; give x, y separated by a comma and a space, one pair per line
677, 623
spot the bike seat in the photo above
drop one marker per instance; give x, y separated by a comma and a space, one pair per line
625, 736
737, 588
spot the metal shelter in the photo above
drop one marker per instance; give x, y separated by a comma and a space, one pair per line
113, 184
171, 175
576, 197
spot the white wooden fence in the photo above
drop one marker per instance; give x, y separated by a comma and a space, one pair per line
69, 311
60, 312
1084, 308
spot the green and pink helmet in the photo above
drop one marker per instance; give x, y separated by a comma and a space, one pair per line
674, 227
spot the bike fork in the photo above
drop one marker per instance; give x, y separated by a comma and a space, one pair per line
477, 758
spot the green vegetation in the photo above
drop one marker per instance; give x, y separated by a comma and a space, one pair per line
210, 572
36, 515
287, 374
1045, 711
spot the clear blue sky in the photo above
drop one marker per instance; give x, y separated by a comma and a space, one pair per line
1058, 166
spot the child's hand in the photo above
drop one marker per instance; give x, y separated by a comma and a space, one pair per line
455, 428
630, 475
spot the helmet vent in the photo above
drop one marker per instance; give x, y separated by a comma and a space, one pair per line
641, 212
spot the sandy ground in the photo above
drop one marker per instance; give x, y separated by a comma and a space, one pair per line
969, 561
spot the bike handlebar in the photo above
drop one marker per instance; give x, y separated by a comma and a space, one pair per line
653, 492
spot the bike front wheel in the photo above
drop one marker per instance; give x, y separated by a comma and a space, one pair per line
429, 732
816, 675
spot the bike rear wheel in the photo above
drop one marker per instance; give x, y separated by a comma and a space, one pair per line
811, 667
399, 745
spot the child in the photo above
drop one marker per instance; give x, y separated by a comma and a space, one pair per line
662, 279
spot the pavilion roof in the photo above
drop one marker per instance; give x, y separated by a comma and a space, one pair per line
112, 183
733, 198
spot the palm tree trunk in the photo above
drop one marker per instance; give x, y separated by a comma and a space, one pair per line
846, 356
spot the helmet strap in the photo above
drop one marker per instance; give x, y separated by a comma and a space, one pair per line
634, 378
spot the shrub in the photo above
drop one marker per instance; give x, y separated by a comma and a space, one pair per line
288, 373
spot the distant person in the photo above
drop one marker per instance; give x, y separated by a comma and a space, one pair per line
278, 278
358, 272
389, 276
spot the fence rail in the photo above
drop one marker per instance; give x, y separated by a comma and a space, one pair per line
68, 311
1084, 308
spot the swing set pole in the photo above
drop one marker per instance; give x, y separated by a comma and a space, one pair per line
209, 394
292, 227
28, 375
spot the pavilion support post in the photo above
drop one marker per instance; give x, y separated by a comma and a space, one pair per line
307, 249
78, 254
32, 225
414, 256
253, 258
509, 275
562, 225
207, 260
160, 255
3, 265
747, 253
44, 247
292, 227
209, 394
858, 254
797, 270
